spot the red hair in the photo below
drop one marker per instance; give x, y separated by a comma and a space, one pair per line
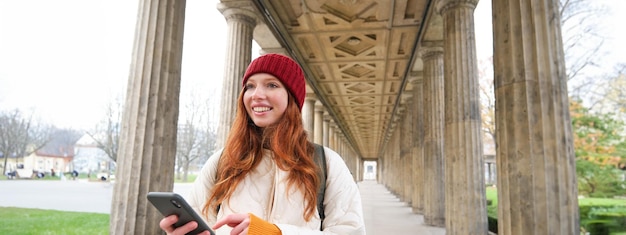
243, 151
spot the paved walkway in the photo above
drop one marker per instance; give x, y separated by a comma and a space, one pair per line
385, 214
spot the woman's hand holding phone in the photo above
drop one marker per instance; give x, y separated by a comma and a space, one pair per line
167, 224
180, 217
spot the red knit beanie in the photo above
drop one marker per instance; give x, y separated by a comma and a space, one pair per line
283, 68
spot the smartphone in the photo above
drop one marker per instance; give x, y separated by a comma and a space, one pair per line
169, 203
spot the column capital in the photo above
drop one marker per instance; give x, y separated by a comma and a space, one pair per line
243, 10
444, 5
319, 106
416, 77
310, 96
326, 115
430, 52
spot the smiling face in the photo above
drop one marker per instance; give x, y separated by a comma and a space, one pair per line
265, 99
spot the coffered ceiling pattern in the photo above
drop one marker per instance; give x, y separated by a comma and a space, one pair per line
357, 54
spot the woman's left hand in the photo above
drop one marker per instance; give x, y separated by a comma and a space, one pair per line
239, 223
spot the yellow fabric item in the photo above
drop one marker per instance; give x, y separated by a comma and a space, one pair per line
259, 226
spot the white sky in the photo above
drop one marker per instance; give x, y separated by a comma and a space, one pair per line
65, 60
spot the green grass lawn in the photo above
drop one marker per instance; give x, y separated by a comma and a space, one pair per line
492, 194
601, 202
18, 221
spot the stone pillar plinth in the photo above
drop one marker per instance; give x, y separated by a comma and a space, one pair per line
537, 187
466, 212
434, 172
147, 150
240, 20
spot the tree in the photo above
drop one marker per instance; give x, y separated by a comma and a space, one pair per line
582, 43
600, 149
487, 100
196, 137
107, 132
20, 135
612, 96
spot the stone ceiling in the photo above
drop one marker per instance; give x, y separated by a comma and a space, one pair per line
359, 56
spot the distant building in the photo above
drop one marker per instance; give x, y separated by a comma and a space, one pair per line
90, 158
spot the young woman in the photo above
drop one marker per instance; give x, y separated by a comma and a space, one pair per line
265, 180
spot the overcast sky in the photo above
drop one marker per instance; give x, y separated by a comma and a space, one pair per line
65, 60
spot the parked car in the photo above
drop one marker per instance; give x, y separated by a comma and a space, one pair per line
104, 176
11, 174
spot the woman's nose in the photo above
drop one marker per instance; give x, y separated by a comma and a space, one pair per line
258, 92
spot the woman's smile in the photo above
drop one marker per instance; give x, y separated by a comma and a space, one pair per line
265, 99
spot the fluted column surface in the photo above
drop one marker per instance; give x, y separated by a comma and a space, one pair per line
318, 123
238, 56
147, 149
537, 189
308, 113
417, 149
406, 144
434, 174
326, 131
466, 212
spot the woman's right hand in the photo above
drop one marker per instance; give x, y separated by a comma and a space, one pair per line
167, 224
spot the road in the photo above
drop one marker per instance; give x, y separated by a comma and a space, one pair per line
80, 195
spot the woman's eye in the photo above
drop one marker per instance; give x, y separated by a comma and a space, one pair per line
249, 86
272, 85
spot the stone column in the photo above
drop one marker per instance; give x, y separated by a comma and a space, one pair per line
318, 136
380, 169
147, 148
537, 185
465, 183
326, 129
434, 176
332, 135
241, 21
396, 167
417, 149
406, 146
308, 112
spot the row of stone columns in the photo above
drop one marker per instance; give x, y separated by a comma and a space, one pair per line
537, 192
323, 131
537, 189
445, 116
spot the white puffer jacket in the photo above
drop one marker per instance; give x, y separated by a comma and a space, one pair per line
263, 193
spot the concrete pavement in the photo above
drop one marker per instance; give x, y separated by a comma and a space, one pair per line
69, 195
383, 212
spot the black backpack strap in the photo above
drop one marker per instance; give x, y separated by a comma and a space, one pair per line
320, 160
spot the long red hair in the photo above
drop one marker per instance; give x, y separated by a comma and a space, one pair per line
243, 151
